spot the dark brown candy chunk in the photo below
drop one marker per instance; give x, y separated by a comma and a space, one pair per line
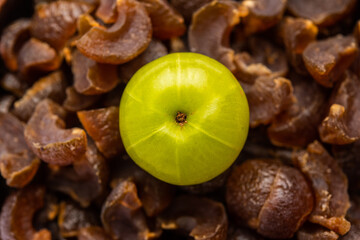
84, 23
86, 180
37, 56
342, 124
263, 59
11, 40
267, 97
18, 165
263, 14
270, 197
329, 184
13, 84
103, 127
297, 125
51, 86
107, 11
326, 60
55, 22
47, 137
199, 218
187, 8
75, 101
6, 102
124, 40
166, 22
92, 233
155, 50
320, 13
92, 78
215, 19
122, 215
72, 218
315, 232
242, 233
17, 214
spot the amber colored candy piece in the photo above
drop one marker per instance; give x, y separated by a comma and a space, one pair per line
47, 137
330, 186
315, 232
92, 233
75, 101
128, 37
187, 8
107, 11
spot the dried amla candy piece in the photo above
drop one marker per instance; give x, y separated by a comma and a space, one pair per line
326, 60
128, 37
196, 217
270, 197
311, 231
47, 137
342, 124
321, 13
107, 11
13, 84
330, 186
18, 165
75, 101
55, 22
92, 233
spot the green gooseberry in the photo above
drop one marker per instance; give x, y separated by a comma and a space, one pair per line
184, 118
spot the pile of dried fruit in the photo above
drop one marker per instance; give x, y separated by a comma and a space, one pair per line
65, 175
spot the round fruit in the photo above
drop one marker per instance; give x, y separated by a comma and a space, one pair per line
184, 118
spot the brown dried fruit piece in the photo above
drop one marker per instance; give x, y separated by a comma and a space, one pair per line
18, 164
47, 137
166, 22
92, 78
242, 233
155, 50
122, 215
13, 84
329, 184
51, 86
124, 40
215, 19
297, 125
270, 197
187, 8
107, 11
36, 56
263, 14
11, 40
103, 127
342, 124
55, 22
18, 212
326, 60
199, 218
315, 232
321, 14
6, 102
75, 101
267, 97
263, 59
92, 233
86, 180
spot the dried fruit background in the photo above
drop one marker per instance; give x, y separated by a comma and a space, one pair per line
65, 174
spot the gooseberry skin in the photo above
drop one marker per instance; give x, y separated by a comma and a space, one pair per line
217, 118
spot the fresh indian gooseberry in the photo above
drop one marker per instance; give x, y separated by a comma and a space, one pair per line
184, 118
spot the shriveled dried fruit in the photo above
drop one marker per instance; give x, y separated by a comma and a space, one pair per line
84, 23
199, 218
270, 197
92, 233
187, 8
17, 214
124, 40
121, 213
155, 50
326, 60
11, 40
267, 97
37, 56
315, 232
318, 12
263, 14
6, 101
51, 86
13, 84
215, 19
92, 78
75, 101
297, 126
342, 124
86, 180
103, 127
166, 22
55, 22
47, 137
329, 184
107, 11
18, 164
